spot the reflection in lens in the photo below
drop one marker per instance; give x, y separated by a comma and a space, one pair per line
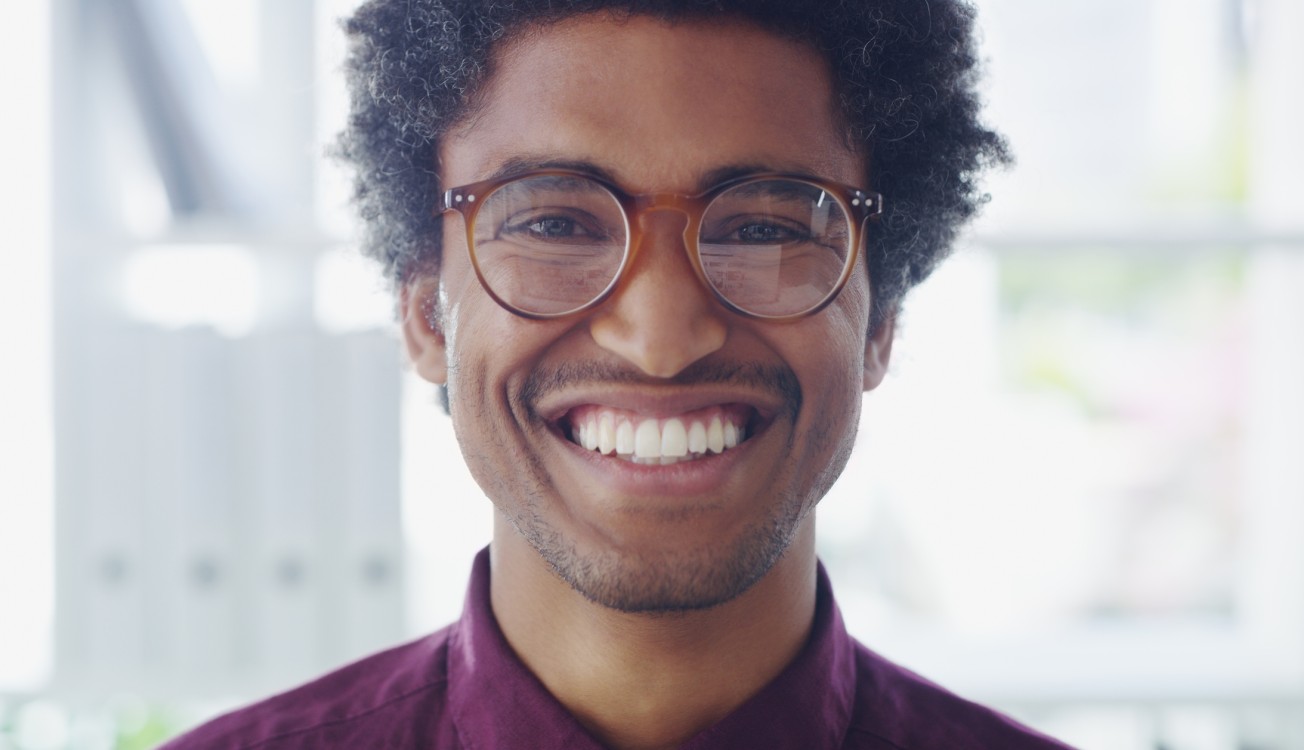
775, 247
548, 244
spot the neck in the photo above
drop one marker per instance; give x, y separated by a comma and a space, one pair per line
651, 680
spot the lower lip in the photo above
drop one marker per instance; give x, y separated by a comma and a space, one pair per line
702, 476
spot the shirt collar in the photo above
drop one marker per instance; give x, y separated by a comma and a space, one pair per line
497, 703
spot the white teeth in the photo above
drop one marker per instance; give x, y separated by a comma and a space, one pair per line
606, 434
652, 442
647, 440
715, 436
625, 439
697, 438
674, 439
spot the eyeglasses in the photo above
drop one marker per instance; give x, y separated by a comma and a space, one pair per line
552, 243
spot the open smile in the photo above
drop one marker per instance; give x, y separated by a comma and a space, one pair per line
660, 440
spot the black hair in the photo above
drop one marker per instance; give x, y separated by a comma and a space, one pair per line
905, 74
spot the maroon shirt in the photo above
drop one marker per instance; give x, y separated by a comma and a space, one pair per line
463, 687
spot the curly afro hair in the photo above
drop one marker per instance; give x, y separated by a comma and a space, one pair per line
905, 73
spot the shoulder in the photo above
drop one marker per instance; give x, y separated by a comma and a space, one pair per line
394, 698
897, 709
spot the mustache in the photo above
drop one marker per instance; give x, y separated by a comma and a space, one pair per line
778, 380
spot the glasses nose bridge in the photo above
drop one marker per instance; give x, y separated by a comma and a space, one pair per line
642, 208
643, 205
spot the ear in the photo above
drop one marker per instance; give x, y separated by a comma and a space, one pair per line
423, 330
878, 352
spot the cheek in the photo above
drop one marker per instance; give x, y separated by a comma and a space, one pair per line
471, 364
470, 318
831, 363
834, 417
490, 353
839, 337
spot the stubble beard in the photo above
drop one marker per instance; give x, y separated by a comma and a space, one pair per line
668, 582
676, 581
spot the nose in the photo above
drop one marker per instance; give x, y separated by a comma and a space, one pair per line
662, 319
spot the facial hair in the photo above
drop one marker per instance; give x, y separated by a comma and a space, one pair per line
669, 582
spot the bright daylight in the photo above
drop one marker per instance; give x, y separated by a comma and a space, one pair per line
1076, 497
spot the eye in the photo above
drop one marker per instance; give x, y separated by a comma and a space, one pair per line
546, 227
765, 232
553, 226
754, 230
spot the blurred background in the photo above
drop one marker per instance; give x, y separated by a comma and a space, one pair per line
1079, 496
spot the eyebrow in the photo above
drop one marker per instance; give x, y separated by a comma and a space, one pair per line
517, 165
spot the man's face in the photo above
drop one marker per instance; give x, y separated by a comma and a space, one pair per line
657, 108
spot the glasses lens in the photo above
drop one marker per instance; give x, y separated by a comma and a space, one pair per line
549, 244
775, 247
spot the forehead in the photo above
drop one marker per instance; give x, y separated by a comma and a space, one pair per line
656, 105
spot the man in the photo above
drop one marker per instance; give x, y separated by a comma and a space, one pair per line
642, 245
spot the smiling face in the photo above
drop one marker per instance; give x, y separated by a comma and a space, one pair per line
658, 451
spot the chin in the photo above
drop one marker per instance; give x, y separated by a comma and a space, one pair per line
669, 581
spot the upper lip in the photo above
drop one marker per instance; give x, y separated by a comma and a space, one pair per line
660, 401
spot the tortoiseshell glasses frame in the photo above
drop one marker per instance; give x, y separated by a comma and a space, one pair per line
858, 207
